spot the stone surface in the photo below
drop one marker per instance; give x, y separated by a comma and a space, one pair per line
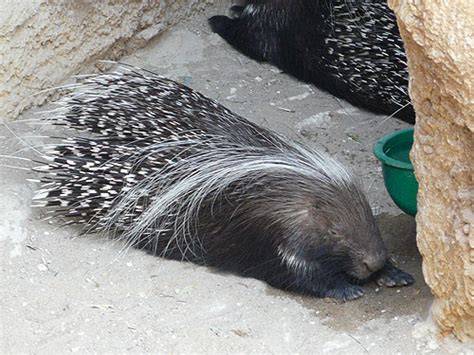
44, 42
439, 39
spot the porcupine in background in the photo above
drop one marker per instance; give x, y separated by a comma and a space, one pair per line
173, 172
350, 48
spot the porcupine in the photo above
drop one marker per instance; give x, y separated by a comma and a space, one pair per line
177, 174
350, 48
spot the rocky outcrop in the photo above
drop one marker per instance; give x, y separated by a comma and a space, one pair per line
439, 40
45, 42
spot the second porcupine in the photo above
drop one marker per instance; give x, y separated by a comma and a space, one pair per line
176, 173
350, 48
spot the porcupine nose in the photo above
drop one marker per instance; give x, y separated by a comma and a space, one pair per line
375, 262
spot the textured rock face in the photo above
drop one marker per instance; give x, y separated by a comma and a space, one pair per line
44, 42
439, 39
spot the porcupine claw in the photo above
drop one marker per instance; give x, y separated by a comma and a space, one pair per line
391, 276
345, 292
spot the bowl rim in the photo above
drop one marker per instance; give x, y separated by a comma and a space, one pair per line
378, 150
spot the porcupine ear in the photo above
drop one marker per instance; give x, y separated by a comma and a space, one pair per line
236, 11
322, 223
312, 218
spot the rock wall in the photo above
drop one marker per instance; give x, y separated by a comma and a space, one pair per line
439, 40
45, 42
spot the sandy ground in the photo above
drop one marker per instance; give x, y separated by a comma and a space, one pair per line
61, 293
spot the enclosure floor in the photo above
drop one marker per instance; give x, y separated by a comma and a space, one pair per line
61, 293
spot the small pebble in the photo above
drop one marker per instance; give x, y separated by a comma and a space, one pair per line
466, 229
42, 267
428, 149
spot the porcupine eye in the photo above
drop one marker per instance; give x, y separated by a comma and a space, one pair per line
334, 232
338, 240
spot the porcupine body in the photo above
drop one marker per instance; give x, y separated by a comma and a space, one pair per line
173, 172
350, 48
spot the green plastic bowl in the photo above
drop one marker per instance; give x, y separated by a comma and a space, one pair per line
393, 150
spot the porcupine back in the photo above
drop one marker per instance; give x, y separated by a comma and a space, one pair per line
350, 48
174, 172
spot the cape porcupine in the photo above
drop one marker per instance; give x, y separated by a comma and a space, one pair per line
175, 173
350, 48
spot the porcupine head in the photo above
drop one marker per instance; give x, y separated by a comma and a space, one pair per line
331, 233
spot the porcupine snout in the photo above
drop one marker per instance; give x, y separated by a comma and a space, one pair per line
375, 261
372, 259
365, 245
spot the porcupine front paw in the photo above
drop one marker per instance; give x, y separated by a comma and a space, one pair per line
344, 291
392, 276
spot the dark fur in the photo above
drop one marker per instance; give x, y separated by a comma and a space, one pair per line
350, 48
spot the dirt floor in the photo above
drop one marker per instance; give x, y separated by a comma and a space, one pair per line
62, 293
